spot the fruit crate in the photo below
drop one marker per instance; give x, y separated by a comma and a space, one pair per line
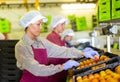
115, 4
116, 13
104, 6
8, 61
111, 66
9, 73
100, 51
104, 15
105, 59
7, 50
7, 53
10, 78
103, 1
108, 54
8, 43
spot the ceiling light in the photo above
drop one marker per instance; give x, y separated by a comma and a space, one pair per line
78, 6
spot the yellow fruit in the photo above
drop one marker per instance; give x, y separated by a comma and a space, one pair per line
96, 75
94, 80
81, 64
102, 79
85, 77
90, 76
117, 69
108, 71
79, 78
102, 73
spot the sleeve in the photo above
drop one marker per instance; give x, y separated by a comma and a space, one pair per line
61, 52
27, 61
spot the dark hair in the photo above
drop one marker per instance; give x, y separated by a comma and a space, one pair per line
26, 28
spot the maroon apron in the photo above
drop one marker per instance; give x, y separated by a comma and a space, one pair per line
61, 76
41, 56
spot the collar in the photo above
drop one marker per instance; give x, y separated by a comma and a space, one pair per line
28, 40
57, 35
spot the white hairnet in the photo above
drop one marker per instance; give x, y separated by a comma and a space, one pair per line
68, 32
113, 29
58, 20
31, 17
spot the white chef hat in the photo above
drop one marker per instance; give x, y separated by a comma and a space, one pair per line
68, 32
31, 17
58, 20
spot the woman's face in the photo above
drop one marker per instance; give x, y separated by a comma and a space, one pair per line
35, 29
68, 38
60, 27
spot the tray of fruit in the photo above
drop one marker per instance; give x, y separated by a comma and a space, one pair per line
100, 51
90, 64
108, 54
110, 73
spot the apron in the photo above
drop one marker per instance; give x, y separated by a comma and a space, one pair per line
61, 76
41, 56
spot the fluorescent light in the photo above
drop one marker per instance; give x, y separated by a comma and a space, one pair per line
78, 6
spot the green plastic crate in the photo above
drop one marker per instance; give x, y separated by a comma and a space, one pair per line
49, 19
103, 1
104, 6
104, 16
81, 23
115, 13
115, 4
4, 26
44, 27
115, 9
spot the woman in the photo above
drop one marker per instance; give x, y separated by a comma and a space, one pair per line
58, 25
32, 53
67, 36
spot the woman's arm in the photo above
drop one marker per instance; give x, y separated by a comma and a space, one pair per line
61, 52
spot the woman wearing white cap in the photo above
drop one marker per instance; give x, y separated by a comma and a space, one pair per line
32, 53
58, 25
67, 36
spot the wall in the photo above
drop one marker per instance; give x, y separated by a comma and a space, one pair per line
13, 14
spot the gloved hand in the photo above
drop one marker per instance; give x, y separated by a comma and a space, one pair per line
87, 49
70, 64
91, 54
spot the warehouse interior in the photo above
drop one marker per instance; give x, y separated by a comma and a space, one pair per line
93, 21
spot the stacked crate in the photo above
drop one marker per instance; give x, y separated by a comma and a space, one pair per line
72, 19
81, 23
94, 21
115, 9
8, 70
46, 24
4, 26
88, 72
104, 10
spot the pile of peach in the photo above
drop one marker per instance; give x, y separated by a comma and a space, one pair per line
103, 76
89, 62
